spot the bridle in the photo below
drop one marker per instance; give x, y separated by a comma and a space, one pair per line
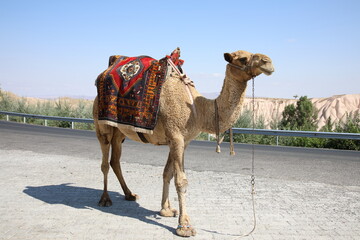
247, 68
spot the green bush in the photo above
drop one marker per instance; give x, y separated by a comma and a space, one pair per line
246, 121
350, 125
302, 117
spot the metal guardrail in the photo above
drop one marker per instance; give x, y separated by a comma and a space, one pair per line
67, 119
286, 133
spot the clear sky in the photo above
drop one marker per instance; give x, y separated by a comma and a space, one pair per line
57, 48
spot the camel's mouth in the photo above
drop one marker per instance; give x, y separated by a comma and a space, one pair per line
267, 71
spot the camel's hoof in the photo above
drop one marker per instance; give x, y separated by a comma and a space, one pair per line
105, 202
185, 231
168, 212
131, 197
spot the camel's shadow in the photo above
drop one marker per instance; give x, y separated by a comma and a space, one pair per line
87, 198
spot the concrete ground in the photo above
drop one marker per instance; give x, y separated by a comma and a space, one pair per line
47, 196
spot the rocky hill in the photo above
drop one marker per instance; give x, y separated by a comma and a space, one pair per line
335, 107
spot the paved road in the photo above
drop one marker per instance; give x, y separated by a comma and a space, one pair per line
336, 167
50, 182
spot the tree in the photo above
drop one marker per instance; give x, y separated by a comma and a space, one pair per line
302, 117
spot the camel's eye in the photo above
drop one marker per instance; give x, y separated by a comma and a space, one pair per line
243, 60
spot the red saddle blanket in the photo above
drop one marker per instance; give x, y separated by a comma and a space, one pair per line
129, 92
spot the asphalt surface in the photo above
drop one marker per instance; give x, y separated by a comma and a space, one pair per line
50, 184
337, 167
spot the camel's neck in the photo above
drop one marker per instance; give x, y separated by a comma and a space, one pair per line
229, 104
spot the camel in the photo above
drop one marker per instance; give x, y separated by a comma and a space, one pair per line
181, 118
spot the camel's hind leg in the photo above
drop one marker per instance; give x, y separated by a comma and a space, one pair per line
166, 210
116, 147
111, 138
104, 134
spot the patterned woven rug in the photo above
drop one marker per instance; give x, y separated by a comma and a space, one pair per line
129, 92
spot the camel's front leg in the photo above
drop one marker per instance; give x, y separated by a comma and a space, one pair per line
177, 148
166, 210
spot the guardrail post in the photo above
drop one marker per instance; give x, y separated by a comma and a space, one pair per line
46, 123
24, 119
72, 125
7, 117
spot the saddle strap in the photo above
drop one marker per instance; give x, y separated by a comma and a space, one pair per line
142, 137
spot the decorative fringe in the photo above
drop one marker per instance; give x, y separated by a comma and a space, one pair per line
124, 126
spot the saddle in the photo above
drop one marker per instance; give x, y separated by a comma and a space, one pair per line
129, 90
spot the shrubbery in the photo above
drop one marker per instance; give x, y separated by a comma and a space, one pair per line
350, 125
60, 108
301, 117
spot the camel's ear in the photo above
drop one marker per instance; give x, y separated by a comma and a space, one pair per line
228, 57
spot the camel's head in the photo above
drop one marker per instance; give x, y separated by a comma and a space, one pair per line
252, 64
